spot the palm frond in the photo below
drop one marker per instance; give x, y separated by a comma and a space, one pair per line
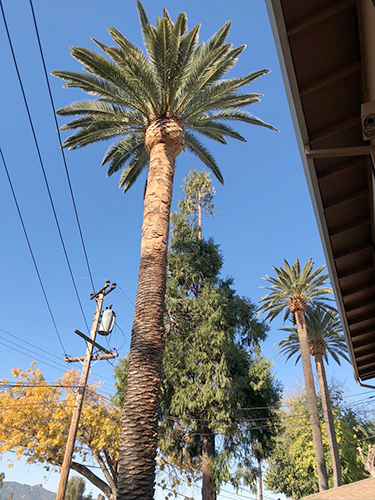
209, 126
323, 328
216, 92
175, 78
100, 67
212, 134
94, 86
121, 152
148, 31
133, 170
89, 135
134, 63
200, 62
196, 147
293, 283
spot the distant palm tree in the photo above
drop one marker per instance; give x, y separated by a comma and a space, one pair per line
325, 337
291, 291
154, 103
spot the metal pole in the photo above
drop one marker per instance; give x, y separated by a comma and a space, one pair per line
79, 399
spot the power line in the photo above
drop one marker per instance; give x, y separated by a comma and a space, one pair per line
129, 299
43, 350
57, 365
32, 352
238, 495
31, 251
29, 343
16, 385
178, 418
42, 164
176, 493
61, 147
96, 375
41, 403
123, 333
32, 357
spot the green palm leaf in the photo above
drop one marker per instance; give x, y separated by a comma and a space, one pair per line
290, 284
131, 172
175, 78
323, 329
216, 127
203, 154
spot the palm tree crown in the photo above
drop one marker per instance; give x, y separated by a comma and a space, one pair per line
293, 289
325, 335
177, 80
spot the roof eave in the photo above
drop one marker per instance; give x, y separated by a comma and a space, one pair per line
287, 68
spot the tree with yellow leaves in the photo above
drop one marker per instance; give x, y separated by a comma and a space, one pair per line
35, 418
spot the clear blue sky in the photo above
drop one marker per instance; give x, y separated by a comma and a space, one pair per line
264, 210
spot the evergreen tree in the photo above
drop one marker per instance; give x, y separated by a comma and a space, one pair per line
154, 103
75, 489
216, 389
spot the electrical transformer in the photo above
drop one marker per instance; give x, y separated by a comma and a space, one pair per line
107, 322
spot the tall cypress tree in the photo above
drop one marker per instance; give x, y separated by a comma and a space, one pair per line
219, 396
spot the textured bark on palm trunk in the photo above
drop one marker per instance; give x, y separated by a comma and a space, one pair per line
136, 478
208, 454
328, 419
311, 399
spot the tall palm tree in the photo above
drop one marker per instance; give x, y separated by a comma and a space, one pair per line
291, 291
154, 103
325, 337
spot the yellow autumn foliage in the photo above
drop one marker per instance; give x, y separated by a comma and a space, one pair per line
35, 418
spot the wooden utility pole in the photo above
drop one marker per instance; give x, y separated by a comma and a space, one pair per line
99, 296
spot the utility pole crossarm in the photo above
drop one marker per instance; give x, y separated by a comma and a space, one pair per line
103, 290
99, 296
96, 357
88, 339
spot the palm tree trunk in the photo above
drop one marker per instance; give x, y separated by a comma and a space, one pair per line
208, 454
260, 480
328, 419
311, 399
139, 435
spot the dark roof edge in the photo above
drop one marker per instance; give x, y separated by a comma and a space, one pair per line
276, 18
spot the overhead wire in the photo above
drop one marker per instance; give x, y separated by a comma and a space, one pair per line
20, 385
123, 333
42, 163
58, 366
31, 251
129, 299
61, 147
32, 352
29, 343
238, 495
32, 357
171, 417
40, 403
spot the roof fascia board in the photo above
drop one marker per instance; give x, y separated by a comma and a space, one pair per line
279, 31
